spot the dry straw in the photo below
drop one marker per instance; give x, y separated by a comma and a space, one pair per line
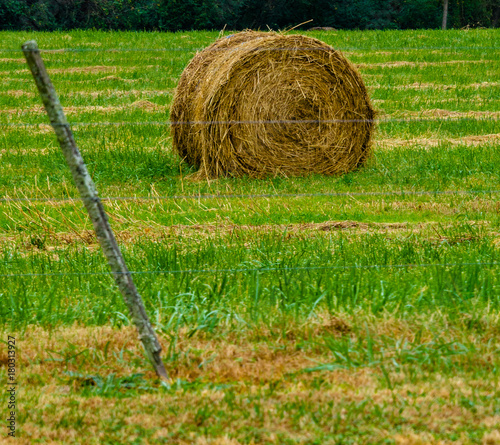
266, 104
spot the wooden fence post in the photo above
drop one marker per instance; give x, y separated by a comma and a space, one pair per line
93, 204
445, 15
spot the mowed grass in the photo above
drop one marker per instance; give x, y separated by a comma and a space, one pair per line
354, 309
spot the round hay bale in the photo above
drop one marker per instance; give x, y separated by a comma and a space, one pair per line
261, 104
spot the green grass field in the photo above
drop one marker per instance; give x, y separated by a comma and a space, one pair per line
359, 309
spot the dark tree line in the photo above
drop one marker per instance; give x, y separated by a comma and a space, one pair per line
174, 15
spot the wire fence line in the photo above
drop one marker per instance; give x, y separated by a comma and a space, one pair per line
259, 269
158, 92
198, 48
197, 197
257, 122
256, 270
263, 195
188, 49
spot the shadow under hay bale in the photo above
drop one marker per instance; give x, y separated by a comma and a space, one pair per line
265, 104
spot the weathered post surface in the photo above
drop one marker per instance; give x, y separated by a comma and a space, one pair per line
445, 15
90, 198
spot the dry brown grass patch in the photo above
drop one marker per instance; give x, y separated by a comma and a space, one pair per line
84, 69
435, 86
19, 93
11, 60
399, 63
54, 241
448, 114
492, 438
259, 356
112, 78
120, 93
472, 140
235, 373
146, 105
439, 86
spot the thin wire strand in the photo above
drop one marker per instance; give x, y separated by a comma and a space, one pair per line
256, 269
245, 196
262, 195
253, 122
187, 49
156, 93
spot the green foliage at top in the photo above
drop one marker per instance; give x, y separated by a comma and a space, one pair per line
173, 15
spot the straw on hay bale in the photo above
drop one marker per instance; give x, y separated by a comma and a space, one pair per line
262, 104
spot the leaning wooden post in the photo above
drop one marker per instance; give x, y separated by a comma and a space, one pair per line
88, 193
445, 15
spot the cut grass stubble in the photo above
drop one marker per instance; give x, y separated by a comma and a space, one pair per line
313, 319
